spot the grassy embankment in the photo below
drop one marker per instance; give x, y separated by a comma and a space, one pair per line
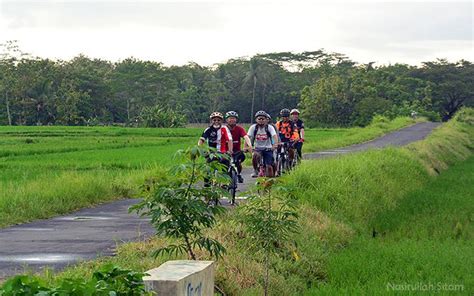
46, 171
367, 220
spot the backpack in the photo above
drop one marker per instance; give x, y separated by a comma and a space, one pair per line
255, 133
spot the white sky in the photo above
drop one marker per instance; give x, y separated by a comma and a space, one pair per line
214, 31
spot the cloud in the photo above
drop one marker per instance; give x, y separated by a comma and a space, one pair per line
209, 32
93, 15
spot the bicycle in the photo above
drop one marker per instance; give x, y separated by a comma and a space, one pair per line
284, 162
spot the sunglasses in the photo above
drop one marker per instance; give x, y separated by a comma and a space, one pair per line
261, 118
216, 119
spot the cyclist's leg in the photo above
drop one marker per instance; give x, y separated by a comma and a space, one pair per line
206, 179
239, 158
299, 146
225, 161
275, 162
291, 152
256, 162
268, 161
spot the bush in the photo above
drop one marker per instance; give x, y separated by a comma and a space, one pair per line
109, 280
367, 108
465, 115
158, 116
379, 121
430, 115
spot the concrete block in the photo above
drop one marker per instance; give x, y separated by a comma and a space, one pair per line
182, 278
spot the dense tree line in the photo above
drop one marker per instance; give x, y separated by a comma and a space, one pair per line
329, 88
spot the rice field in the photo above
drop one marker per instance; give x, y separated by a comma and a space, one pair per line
51, 170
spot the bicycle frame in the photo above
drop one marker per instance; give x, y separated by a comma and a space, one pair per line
233, 172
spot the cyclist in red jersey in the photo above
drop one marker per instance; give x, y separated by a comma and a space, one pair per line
238, 132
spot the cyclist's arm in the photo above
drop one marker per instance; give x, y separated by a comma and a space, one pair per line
247, 143
250, 134
275, 140
204, 136
302, 133
230, 142
230, 145
274, 135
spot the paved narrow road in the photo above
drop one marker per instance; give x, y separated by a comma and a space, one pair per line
93, 232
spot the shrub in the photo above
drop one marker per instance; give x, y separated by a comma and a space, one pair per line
158, 116
109, 280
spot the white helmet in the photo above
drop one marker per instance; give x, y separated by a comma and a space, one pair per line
295, 111
216, 114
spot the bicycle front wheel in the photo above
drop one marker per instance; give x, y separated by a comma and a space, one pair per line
233, 186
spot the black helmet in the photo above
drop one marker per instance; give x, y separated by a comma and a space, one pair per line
285, 112
261, 113
231, 114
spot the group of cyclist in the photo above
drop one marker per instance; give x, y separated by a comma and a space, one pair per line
262, 138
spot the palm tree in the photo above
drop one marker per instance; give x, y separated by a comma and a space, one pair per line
256, 72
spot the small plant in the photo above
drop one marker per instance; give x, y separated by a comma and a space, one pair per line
180, 205
269, 218
109, 280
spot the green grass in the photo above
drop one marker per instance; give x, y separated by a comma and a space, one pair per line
51, 170
426, 238
344, 201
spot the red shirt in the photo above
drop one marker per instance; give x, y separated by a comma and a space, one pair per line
237, 132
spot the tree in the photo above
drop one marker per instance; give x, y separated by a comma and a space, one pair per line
329, 102
257, 72
452, 84
9, 57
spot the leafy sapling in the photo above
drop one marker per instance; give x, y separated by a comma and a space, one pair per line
270, 219
180, 204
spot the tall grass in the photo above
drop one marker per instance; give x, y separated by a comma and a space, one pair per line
364, 223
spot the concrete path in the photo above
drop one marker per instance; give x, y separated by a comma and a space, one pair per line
94, 232
401, 137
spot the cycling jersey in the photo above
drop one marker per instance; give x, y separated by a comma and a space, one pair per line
287, 131
237, 132
217, 137
299, 126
